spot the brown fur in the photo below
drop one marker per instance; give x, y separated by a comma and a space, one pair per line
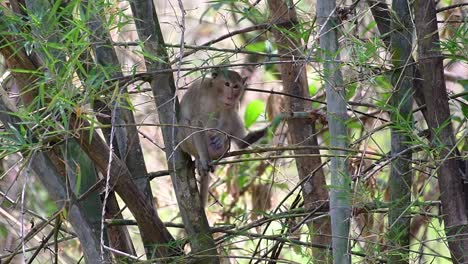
210, 108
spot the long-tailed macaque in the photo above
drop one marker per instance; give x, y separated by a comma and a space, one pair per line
209, 119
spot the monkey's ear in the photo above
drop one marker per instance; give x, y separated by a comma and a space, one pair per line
244, 80
214, 75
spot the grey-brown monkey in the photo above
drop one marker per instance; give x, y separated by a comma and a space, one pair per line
209, 119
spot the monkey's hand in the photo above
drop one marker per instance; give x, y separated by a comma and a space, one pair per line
218, 145
216, 141
204, 167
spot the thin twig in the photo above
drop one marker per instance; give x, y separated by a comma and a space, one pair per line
34, 248
442, 9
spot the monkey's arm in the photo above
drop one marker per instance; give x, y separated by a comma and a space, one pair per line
254, 136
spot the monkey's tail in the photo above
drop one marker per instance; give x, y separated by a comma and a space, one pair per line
204, 188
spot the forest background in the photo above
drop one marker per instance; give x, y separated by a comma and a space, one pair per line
365, 158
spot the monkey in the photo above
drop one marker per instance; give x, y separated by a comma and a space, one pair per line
209, 119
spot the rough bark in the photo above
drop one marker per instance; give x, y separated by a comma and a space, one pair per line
44, 164
119, 237
401, 116
157, 239
126, 137
183, 177
440, 125
340, 198
301, 132
126, 142
381, 13
41, 164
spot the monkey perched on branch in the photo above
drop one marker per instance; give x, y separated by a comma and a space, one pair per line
209, 119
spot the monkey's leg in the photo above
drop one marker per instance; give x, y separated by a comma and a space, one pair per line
201, 142
203, 162
204, 185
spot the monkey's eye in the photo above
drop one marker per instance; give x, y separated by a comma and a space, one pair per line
236, 86
227, 84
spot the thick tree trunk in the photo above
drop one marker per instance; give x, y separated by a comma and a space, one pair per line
181, 166
440, 125
156, 238
340, 199
300, 130
53, 181
381, 13
154, 235
50, 176
401, 101
48, 167
126, 142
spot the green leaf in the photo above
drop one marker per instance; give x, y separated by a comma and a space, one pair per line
242, 180
370, 26
256, 47
351, 91
464, 108
354, 124
383, 82
464, 83
3, 231
253, 111
312, 89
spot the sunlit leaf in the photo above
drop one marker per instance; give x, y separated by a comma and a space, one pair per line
464, 108
256, 47
253, 111
312, 89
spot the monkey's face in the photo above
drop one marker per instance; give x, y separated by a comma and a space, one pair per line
229, 89
230, 94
